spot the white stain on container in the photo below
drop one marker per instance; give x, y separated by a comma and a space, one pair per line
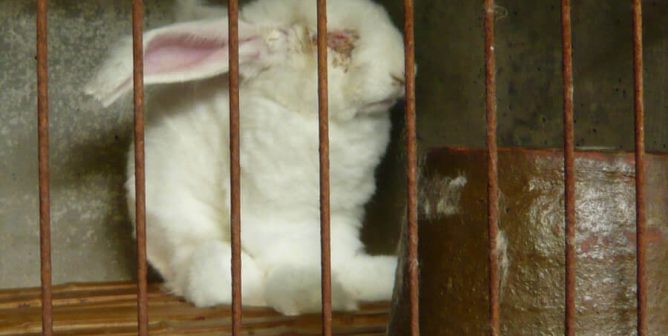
440, 196
503, 259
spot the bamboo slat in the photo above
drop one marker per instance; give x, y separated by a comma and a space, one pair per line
110, 309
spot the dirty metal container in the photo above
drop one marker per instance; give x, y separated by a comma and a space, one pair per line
453, 244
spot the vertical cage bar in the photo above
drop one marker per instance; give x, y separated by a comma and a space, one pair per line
492, 168
235, 170
140, 205
411, 169
43, 162
323, 120
639, 108
569, 161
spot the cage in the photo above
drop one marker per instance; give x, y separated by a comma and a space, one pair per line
90, 225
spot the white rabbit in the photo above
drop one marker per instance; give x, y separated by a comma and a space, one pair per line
187, 156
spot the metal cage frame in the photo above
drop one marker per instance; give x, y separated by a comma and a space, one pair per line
411, 167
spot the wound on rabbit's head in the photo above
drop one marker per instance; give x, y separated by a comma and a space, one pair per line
342, 44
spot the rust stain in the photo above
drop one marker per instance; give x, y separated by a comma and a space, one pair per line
652, 236
587, 244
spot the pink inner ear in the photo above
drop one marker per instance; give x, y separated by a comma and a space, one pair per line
177, 53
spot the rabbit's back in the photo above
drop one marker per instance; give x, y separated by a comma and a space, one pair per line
187, 153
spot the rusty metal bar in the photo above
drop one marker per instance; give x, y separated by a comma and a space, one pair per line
140, 186
43, 159
569, 161
235, 169
323, 120
411, 170
639, 108
492, 168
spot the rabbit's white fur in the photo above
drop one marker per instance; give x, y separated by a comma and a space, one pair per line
187, 151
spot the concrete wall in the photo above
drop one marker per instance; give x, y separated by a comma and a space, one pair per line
91, 232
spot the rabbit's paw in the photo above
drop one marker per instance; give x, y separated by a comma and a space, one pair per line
368, 278
209, 281
293, 290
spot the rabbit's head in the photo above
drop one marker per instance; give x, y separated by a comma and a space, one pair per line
277, 56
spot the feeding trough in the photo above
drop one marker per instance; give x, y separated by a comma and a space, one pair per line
453, 244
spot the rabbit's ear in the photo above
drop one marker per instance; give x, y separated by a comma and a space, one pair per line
177, 53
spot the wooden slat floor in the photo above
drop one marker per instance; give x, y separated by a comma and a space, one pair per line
110, 309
